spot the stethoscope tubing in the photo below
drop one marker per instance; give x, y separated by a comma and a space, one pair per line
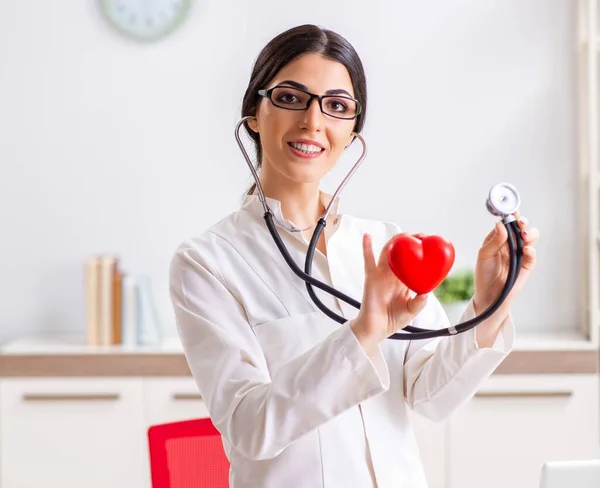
515, 244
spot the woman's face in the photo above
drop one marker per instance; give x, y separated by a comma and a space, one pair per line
302, 146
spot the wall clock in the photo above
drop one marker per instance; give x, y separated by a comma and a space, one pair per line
146, 20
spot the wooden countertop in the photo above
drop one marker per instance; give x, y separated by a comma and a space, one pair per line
51, 358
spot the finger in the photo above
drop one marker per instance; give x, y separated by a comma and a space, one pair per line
530, 236
389, 243
370, 264
494, 241
523, 223
416, 304
383, 261
529, 258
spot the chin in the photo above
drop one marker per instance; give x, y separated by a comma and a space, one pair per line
300, 171
310, 172
304, 174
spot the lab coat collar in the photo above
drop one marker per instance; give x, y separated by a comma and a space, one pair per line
252, 203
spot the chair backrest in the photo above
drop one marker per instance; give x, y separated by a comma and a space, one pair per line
571, 474
187, 454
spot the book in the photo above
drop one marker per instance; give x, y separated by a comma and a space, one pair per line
108, 269
92, 305
130, 311
102, 300
117, 306
120, 308
149, 326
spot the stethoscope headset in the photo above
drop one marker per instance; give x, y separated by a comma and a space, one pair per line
503, 201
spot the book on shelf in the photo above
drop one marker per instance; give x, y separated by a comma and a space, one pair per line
119, 307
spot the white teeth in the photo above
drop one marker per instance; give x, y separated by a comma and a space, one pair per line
307, 148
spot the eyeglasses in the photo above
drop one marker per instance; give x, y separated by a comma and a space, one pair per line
337, 106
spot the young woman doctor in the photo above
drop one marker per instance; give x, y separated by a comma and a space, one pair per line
300, 400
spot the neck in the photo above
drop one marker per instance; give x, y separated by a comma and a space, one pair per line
300, 203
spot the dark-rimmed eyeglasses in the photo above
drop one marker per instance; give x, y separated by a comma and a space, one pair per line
290, 98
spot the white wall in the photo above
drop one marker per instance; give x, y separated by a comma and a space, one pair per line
107, 145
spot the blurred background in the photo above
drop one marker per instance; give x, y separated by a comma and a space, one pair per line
116, 139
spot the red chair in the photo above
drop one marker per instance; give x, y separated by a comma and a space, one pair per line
187, 454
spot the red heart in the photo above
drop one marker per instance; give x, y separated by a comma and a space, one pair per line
421, 263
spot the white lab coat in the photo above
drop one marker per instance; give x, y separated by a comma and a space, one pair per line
296, 399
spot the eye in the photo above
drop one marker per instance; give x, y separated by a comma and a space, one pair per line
337, 105
288, 97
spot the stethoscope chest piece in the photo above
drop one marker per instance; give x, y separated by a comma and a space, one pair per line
503, 200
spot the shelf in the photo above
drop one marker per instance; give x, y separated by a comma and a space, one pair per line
567, 341
75, 344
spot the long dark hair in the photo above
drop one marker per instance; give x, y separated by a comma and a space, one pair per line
286, 47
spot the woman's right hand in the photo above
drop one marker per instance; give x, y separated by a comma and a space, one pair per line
387, 305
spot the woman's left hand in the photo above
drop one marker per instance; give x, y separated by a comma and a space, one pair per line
493, 261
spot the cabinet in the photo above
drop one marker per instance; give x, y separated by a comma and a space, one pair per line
516, 423
92, 432
88, 432
171, 399
71, 433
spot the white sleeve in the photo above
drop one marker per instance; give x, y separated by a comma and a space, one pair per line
259, 414
440, 374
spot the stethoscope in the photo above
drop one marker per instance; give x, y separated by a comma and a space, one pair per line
502, 201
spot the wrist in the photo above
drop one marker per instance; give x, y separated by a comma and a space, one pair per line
497, 317
369, 343
480, 304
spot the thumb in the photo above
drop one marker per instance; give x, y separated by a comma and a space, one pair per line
494, 241
416, 304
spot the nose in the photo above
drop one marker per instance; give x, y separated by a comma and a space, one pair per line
313, 118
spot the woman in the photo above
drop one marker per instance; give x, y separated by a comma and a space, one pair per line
300, 400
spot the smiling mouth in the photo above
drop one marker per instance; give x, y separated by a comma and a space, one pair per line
306, 148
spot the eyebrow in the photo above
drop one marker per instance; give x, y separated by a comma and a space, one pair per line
300, 86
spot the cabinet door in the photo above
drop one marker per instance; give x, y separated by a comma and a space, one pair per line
172, 399
516, 423
72, 433
431, 439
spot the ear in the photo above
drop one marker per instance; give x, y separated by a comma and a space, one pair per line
253, 124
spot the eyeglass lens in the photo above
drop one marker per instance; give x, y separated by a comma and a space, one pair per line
334, 105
